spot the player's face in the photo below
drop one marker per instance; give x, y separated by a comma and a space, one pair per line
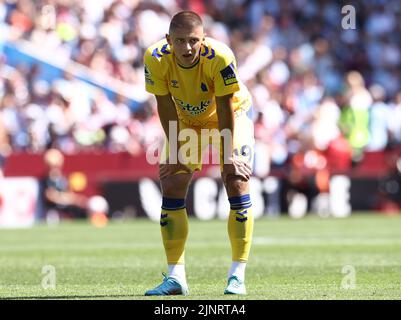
186, 44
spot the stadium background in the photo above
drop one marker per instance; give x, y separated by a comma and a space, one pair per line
327, 102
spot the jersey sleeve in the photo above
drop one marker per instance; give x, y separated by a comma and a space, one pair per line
155, 81
225, 75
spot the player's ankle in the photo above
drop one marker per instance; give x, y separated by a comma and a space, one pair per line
177, 271
237, 269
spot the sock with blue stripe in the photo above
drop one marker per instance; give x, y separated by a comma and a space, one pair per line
174, 230
240, 227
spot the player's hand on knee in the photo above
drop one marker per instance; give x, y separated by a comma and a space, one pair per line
168, 169
237, 167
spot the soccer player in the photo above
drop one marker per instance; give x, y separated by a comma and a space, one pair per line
196, 87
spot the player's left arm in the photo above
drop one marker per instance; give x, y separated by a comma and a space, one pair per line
225, 114
226, 84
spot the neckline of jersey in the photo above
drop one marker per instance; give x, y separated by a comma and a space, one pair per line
194, 65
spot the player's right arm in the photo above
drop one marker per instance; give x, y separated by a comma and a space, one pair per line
169, 121
156, 70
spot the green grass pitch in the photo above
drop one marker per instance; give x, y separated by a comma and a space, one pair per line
308, 258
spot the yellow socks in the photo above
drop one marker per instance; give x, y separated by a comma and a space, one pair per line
174, 229
240, 227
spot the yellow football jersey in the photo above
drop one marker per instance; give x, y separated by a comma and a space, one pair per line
194, 89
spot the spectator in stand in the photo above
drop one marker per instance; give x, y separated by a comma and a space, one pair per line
59, 199
294, 57
378, 120
394, 120
355, 114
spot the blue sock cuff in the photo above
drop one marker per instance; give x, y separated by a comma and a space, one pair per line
241, 202
173, 204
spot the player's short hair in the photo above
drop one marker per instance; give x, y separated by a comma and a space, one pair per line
185, 20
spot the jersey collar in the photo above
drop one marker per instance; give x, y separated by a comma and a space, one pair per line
195, 64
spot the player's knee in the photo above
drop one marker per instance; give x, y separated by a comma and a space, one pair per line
236, 186
176, 186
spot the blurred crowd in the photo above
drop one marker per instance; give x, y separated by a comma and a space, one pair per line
323, 95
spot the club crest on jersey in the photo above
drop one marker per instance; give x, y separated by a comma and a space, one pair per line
174, 83
228, 74
193, 110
